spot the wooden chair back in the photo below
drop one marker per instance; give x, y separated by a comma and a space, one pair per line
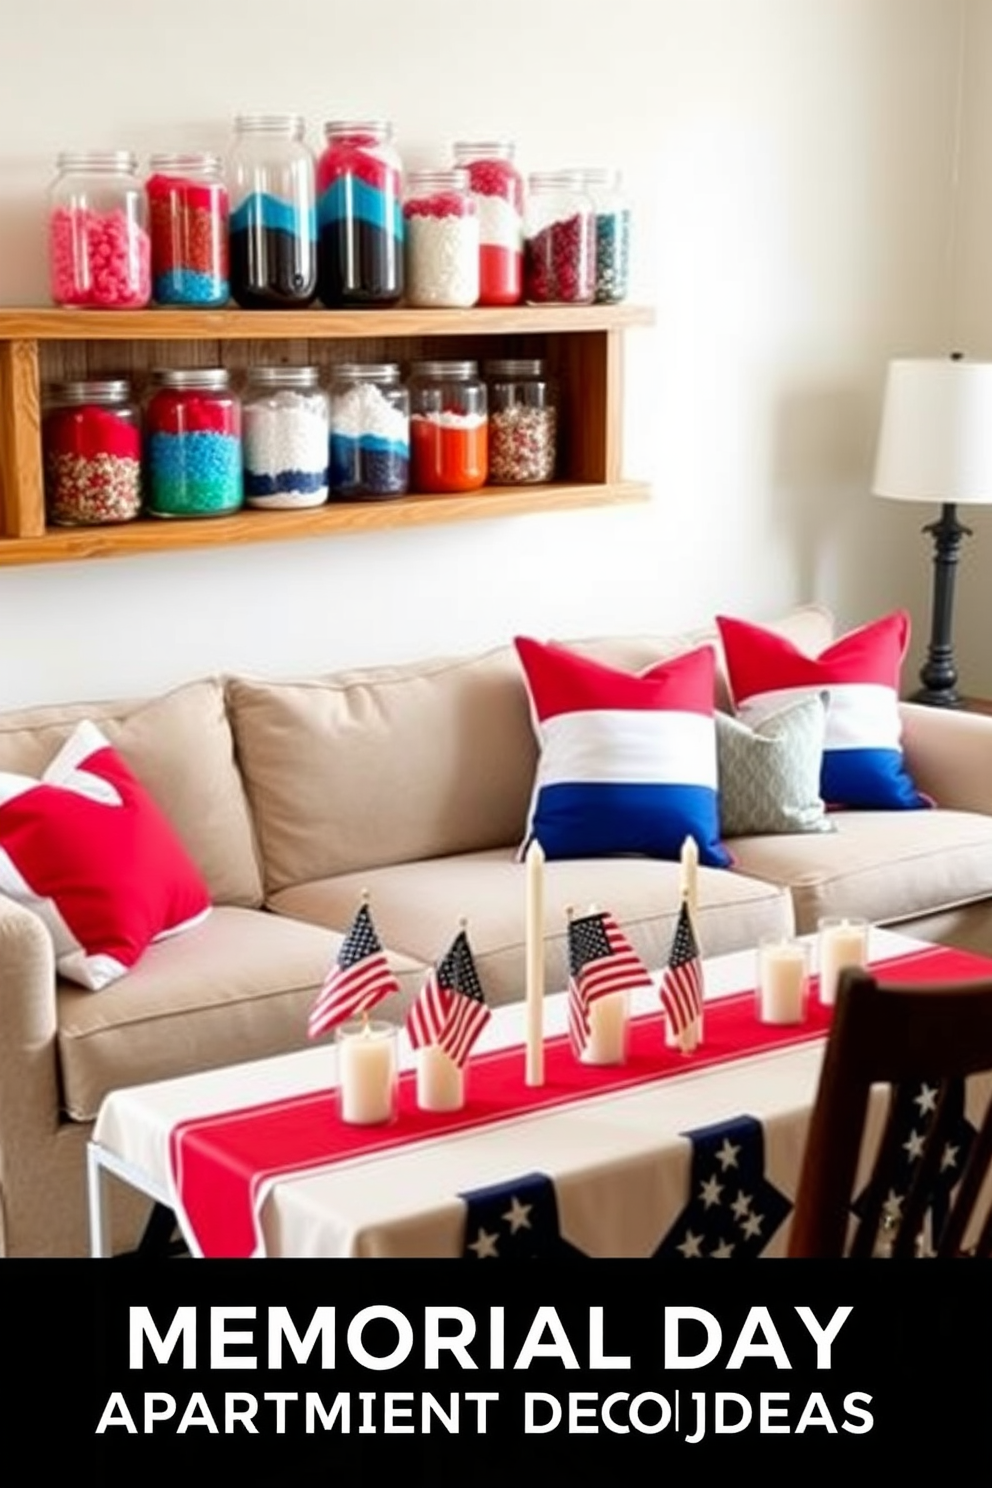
923, 1042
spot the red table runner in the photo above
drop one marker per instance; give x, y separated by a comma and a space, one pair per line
222, 1166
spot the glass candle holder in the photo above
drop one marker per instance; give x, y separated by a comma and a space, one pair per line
841, 941
783, 981
440, 1081
368, 1067
607, 1030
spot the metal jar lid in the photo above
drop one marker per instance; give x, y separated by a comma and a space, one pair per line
284, 377
204, 379
104, 390
507, 369
367, 371
444, 370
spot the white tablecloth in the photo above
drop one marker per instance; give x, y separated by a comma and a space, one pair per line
619, 1163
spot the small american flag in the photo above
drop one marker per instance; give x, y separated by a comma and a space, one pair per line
451, 1010
600, 960
681, 988
359, 978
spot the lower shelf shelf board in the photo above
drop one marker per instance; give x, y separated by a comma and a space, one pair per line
149, 535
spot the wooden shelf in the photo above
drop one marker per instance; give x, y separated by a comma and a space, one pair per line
341, 325
336, 519
582, 345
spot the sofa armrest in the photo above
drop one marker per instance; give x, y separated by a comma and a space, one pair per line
949, 755
29, 1084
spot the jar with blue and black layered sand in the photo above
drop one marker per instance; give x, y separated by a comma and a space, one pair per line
273, 241
193, 444
286, 435
370, 432
188, 217
360, 213
612, 216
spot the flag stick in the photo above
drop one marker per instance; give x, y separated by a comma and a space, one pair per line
534, 1068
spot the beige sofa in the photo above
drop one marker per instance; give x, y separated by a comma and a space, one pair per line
412, 782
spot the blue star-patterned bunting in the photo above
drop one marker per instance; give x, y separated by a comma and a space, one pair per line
914, 1112
516, 1221
733, 1211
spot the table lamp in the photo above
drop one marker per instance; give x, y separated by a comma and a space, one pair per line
935, 444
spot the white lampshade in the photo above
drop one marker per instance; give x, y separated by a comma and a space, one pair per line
935, 442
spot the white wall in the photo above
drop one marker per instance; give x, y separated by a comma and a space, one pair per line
790, 163
972, 332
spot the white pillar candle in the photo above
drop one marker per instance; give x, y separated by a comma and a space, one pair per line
534, 1072
440, 1081
367, 1068
782, 977
689, 879
842, 942
607, 1030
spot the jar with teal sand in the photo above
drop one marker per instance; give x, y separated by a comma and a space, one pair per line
193, 444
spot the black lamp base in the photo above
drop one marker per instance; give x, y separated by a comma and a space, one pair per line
939, 674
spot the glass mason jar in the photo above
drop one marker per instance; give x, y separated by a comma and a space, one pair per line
523, 422
285, 417
91, 437
359, 192
193, 444
188, 213
449, 447
441, 224
612, 214
498, 189
273, 213
370, 431
560, 240
99, 252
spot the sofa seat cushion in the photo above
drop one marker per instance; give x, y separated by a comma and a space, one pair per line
888, 866
181, 749
417, 907
237, 987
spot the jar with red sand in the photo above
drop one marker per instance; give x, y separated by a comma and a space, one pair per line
99, 250
449, 427
359, 216
188, 214
498, 189
559, 241
92, 447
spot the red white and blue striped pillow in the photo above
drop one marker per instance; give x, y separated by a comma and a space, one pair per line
863, 764
628, 763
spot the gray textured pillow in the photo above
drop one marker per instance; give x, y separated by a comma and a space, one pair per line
769, 776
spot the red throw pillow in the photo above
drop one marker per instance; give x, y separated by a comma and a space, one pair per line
89, 851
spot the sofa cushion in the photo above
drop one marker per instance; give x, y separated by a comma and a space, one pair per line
863, 764
87, 849
888, 866
628, 763
181, 749
240, 986
418, 906
389, 765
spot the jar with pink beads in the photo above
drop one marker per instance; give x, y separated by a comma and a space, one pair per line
98, 243
498, 188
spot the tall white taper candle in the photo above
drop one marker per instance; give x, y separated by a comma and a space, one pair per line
534, 1074
689, 880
